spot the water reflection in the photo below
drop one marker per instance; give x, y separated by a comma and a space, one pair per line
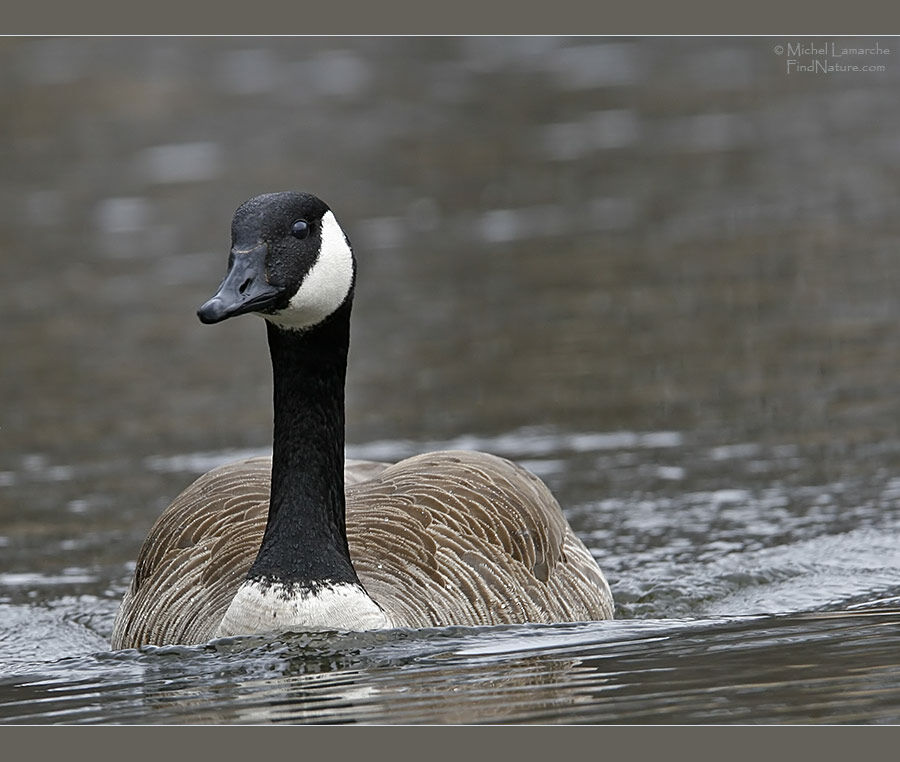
835, 668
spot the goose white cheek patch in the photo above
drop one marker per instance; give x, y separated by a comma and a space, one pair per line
325, 286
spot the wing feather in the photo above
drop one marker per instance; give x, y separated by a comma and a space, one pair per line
444, 538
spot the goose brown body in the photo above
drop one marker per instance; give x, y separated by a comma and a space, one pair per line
445, 538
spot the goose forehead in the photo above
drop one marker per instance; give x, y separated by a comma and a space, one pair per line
266, 216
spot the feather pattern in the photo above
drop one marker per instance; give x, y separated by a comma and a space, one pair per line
444, 538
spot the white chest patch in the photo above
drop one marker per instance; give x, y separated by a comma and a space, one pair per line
325, 286
260, 608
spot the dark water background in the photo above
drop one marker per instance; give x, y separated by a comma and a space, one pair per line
663, 273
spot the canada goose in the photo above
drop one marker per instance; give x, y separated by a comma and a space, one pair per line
302, 541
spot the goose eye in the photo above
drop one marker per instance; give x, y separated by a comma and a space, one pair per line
300, 229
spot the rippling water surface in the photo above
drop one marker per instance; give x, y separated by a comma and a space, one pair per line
661, 273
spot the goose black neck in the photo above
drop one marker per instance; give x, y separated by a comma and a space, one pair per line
305, 542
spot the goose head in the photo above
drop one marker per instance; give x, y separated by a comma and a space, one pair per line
290, 262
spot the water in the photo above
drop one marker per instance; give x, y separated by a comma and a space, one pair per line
661, 273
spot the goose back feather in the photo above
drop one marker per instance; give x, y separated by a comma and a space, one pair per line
454, 537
